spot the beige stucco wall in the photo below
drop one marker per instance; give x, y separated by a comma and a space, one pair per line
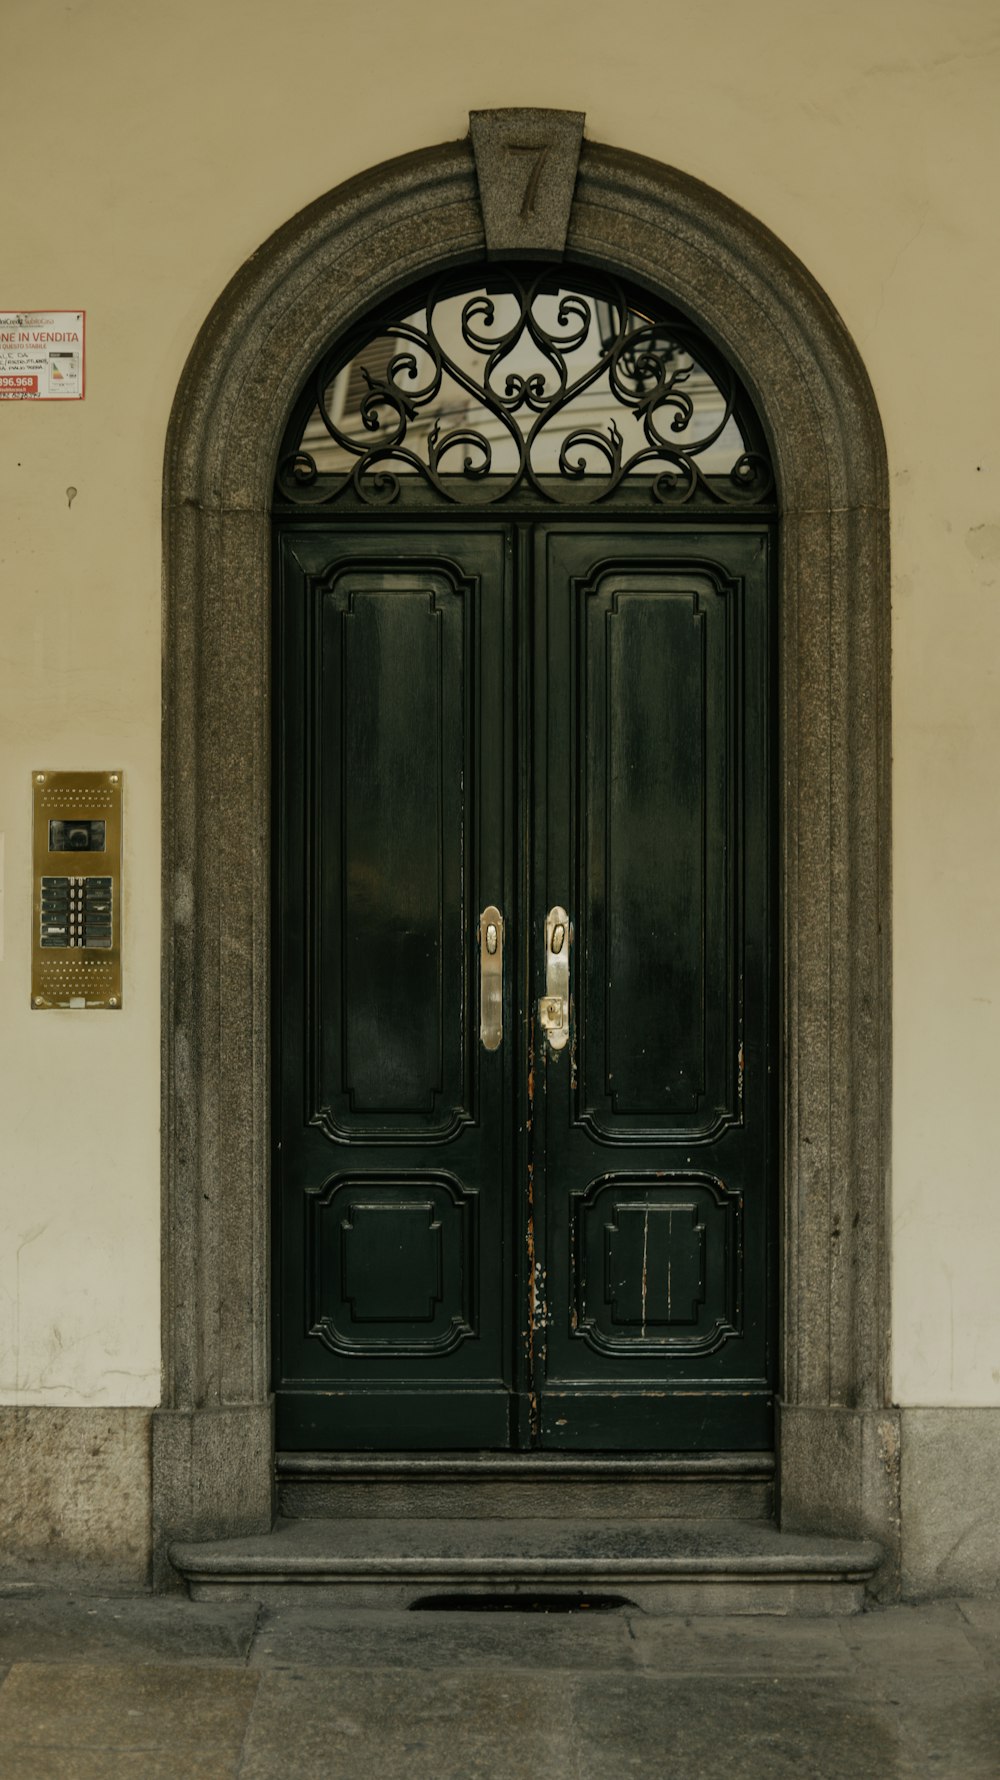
147, 152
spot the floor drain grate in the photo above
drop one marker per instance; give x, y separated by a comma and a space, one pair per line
520, 1604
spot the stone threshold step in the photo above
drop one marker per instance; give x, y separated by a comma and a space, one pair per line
677, 1565
460, 1466
522, 1486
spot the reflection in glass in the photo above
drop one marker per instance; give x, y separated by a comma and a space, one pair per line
527, 383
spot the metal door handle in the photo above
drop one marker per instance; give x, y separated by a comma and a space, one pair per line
553, 1009
490, 937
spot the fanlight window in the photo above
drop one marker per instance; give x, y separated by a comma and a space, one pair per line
557, 386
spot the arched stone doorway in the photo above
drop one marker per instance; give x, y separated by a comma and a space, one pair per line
213, 1447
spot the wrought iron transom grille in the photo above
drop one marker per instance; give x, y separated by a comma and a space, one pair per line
558, 385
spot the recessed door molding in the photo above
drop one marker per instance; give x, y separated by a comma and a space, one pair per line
213, 1460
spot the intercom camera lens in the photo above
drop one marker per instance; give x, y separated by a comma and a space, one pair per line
78, 838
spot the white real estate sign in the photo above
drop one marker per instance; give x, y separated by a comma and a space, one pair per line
41, 355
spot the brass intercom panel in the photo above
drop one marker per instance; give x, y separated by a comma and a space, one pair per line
76, 956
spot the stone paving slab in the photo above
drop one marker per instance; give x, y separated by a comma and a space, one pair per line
301, 1637
983, 1621
954, 1738
743, 1730
934, 1635
983, 1613
61, 1628
117, 1764
210, 1693
392, 1724
127, 1708
742, 1646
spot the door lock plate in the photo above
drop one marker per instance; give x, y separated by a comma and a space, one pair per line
553, 1008
490, 939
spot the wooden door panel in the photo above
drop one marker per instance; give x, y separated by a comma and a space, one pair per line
656, 915
639, 1182
393, 851
655, 1228
393, 1185
656, 1264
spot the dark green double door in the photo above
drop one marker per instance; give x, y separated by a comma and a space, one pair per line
493, 1244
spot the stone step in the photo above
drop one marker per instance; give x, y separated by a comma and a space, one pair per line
522, 1486
674, 1565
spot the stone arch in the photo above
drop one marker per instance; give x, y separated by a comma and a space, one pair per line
212, 1441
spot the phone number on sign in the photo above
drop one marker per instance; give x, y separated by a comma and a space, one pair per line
18, 385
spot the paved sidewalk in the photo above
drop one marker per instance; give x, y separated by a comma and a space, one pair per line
166, 1689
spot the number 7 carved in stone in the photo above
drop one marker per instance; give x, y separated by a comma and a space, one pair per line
540, 151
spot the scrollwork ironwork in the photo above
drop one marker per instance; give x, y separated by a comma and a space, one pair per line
543, 382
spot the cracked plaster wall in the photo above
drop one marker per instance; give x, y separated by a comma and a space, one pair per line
160, 147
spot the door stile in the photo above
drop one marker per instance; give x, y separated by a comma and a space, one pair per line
555, 885
493, 691
545, 883
525, 1148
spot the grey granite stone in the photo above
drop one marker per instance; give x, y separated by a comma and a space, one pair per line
686, 1546
688, 240
982, 1615
75, 1496
128, 1707
313, 1637
480, 1500
69, 1763
840, 1473
798, 1597
526, 163
744, 1730
914, 1650
214, 1475
318, 273
680, 1565
513, 1486
951, 1501
397, 1725
314, 278
893, 1693
983, 1620
948, 1734
49, 1627
759, 1645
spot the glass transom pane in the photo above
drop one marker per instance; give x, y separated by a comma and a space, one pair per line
566, 387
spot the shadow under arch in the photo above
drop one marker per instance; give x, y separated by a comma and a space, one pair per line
212, 1437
